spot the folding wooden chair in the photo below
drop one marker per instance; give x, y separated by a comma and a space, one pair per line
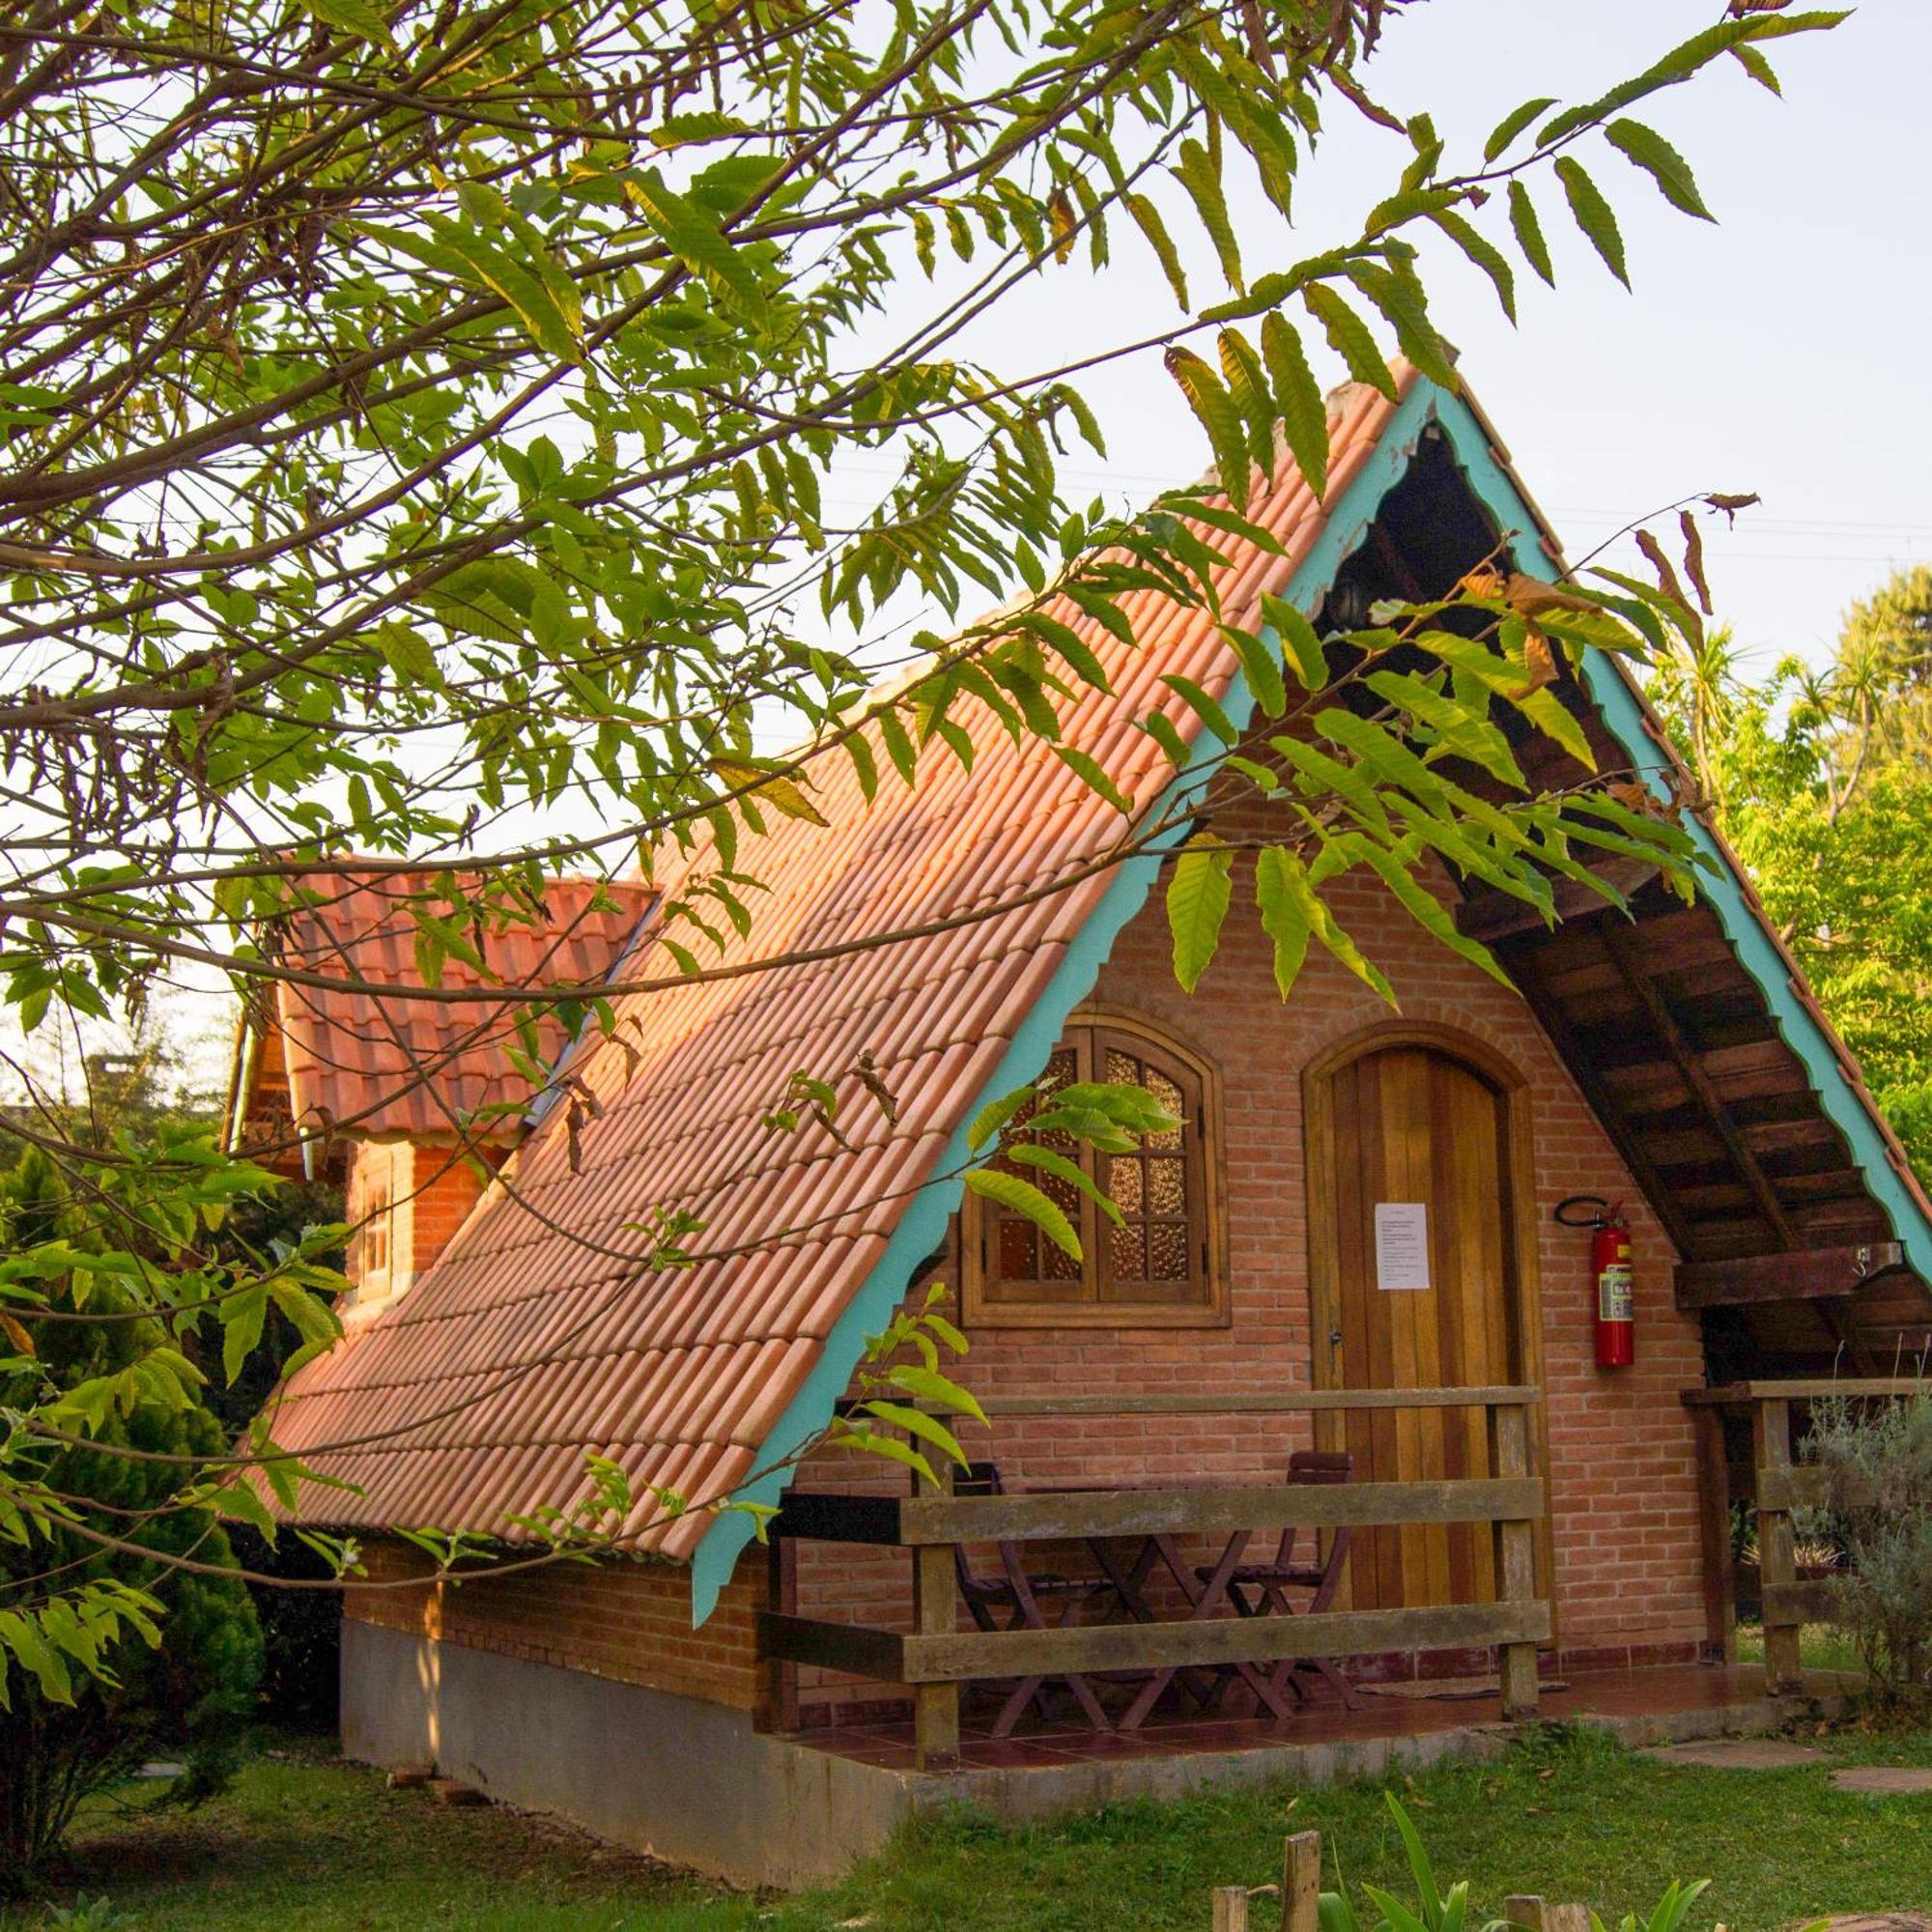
1010, 1600
1261, 1589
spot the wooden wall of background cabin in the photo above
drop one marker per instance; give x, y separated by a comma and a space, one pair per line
1622, 1456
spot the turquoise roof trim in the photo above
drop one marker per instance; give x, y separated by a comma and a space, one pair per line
922, 1227
1625, 715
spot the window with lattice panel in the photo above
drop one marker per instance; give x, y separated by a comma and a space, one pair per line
1160, 1264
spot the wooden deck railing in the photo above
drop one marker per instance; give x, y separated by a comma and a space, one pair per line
935, 1659
1779, 1486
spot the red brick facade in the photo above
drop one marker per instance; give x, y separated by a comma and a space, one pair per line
628, 1621
404, 1200
1621, 1456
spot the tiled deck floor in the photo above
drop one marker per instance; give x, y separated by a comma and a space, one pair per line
1660, 1691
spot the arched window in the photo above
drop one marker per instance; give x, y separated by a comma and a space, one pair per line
1161, 1266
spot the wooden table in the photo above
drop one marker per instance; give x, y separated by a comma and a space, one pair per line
1205, 1596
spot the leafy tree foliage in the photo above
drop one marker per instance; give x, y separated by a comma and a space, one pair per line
152, 1659
1822, 780
425, 434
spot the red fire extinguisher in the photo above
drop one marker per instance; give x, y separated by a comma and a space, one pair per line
1609, 1274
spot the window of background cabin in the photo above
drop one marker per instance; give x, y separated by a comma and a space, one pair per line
370, 1267
1161, 1266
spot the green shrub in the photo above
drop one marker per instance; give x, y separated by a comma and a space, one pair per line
1878, 1460
189, 1697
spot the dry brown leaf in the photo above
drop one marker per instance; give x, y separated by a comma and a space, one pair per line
1059, 211
1693, 559
1539, 660
17, 1335
1731, 505
1530, 597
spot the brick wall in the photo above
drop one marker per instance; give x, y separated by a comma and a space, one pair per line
404, 1200
1621, 1468
625, 1620
1621, 1452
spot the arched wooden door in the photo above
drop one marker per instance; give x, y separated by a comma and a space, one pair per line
1421, 1259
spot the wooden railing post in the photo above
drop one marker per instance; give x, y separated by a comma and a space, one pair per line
1515, 1556
935, 1612
1714, 1505
1534, 1916
1230, 1907
1776, 1548
1301, 1882
777, 1692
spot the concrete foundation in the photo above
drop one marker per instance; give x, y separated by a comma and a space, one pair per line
694, 1783
686, 1780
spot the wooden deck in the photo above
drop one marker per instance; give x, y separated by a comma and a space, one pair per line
938, 1661
1657, 1701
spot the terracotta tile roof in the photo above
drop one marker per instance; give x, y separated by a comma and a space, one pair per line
538, 1335
366, 1064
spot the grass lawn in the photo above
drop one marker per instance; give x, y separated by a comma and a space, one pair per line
312, 1845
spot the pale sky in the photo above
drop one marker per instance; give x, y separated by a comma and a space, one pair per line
1783, 351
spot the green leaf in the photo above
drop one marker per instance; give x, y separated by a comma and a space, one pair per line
1529, 232
927, 1384
1398, 294
1306, 658
242, 1316
484, 204
1148, 215
1349, 337
865, 1437
1079, 654
1048, 1161
1484, 253
916, 1422
1206, 708
774, 788
466, 257
1248, 387
1466, 733
1514, 122
1757, 66
1283, 894
1593, 215
1023, 1198
1161, 729
1215, 410
1648, 149
22, 1635
354, 16
1093, 775
1202, 179
995, 1115
1427, 1894
1197, 902
1297, 401
692, 234
1261, 668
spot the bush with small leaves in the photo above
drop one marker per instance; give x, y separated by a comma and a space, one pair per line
175, 1674
1877, 1463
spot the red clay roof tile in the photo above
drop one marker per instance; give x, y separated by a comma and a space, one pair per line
359, 1062
476, 1395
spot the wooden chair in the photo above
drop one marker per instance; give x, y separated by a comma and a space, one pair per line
1010, 1600
1261, 1589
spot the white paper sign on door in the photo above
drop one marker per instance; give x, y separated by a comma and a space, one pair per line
1402, 1244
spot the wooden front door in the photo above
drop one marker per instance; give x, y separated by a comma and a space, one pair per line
1418, 1231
